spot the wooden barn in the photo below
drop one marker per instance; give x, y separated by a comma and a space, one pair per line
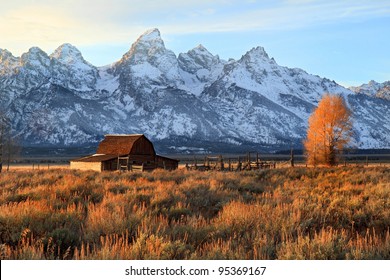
131, 152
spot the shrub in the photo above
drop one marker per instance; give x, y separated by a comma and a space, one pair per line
287, 213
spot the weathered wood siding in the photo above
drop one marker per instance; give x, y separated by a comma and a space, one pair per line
139, 159
110, 165
166, 163
143, 147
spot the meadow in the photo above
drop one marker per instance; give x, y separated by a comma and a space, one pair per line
286, 213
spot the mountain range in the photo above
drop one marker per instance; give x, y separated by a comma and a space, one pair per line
195, 102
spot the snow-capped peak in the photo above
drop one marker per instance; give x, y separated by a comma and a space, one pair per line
7, 62
71, 70
197, 58
150, 35
68, 54
6, 57
4, 54
36, 50
374, 88
255, 54
193, 99
149, 44
201, 48
34, 57
149, 60
201, 51
199, 68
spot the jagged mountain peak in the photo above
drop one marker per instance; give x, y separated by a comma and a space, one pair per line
68, 54
150, 39
149, 62
195, 100
373, 88
198, 58
7, 62
4, 54
147, 46
34, 52
150, 35
65, 50
201, 51
200, 48
6, 58
34, 57
255, 54
71, 70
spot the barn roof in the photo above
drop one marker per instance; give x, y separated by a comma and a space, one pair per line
118, 144
95, 158
166, 158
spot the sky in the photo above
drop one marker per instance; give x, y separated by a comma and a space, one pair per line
347, 41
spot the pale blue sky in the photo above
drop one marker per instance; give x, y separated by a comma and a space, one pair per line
347, 41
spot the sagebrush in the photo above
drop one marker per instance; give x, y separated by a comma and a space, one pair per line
291, 213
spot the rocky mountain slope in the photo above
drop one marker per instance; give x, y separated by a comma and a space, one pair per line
374, 89
193, 102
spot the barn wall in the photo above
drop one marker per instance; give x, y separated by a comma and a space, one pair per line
167, 163
143, 147
96, 166
139, 159
110, 165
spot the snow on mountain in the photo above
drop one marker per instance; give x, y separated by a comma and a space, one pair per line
7, 63
381, 90
198, 69
34, 68
264, 102
149, 60
194, 101
70, 70
107, 81
371, 121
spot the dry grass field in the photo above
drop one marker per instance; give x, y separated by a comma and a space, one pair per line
285, 213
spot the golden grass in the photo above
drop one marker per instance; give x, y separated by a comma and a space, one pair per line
287, 213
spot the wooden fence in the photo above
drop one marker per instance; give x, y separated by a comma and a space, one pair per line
221, 163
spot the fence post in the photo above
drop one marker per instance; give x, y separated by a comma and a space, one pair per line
292, 157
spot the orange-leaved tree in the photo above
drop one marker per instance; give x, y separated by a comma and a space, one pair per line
329, 131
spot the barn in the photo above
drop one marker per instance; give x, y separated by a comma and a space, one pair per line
130, 152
